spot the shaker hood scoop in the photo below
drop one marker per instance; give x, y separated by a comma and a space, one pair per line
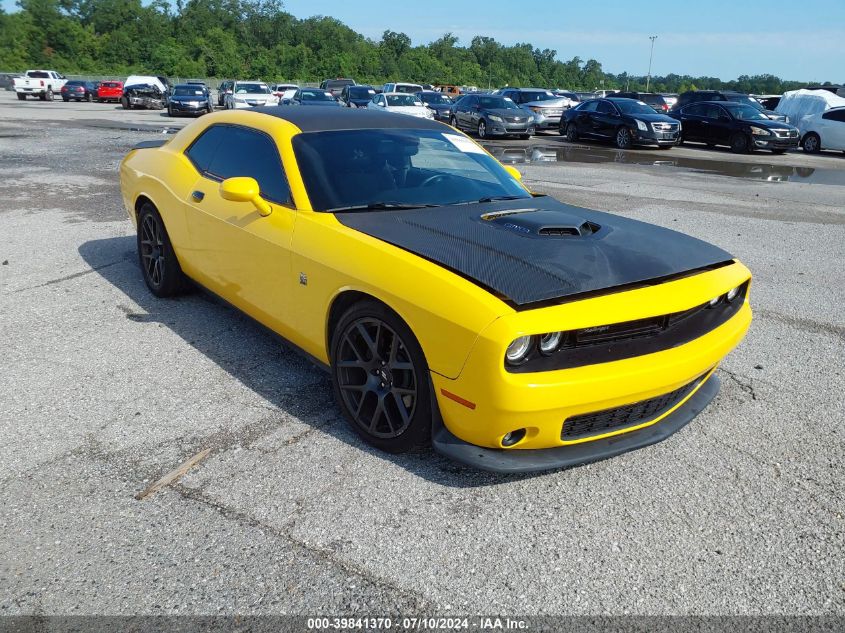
538, 249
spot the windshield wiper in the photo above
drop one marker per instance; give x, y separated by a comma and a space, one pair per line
380, 206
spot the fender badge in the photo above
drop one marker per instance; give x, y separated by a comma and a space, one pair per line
303, 279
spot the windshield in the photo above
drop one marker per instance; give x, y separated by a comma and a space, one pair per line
497, 103
315, 95
745, 100
633, 107
252, 89
536, 95
361, 93
434, 97
409, 88
746, 112
187, 91
402, 100
346, 168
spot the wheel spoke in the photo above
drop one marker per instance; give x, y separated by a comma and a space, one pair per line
379, 411
352, 364
362, 331
400, 405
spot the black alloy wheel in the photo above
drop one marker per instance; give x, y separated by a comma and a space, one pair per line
380, 378
623, 138
161, 270
49, 96
739, 143
88, 97
571, 133
482, 129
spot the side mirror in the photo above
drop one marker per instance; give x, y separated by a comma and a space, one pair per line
244, 189
513, 171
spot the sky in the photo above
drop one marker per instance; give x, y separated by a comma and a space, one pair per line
793, 39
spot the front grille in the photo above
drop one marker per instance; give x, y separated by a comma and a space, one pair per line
664, 127
600, 422
786, 133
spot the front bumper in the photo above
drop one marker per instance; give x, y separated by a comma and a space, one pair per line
514, 461
650, 137
774, 142
503, 128
546, 403
543, 121
242, 105
186, 108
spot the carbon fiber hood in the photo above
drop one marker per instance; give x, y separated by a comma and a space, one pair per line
538, 249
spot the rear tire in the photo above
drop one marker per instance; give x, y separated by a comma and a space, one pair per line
739, 144
812, 143
65, 99
21, 96
380, 378
159, 265
49, 96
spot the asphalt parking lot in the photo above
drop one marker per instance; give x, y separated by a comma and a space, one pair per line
106, 389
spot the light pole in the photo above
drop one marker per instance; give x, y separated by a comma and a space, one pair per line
650, 57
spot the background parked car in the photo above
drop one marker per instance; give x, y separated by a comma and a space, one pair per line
335, 86
402, 87
491, 115
7, 81
79, 90
110, 91
741, 127
357, 96
824, 130
626, 122
543, 104
279, 90
43, 84
189, 99
224, 89
572, 96
249, 94
652, 99
401, 103
694, 96
314, 97
448, 89
437, 102
145, 91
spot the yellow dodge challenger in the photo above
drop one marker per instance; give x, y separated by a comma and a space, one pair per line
451, 305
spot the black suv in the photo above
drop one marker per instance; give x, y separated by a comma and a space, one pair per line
694, 96
652, 99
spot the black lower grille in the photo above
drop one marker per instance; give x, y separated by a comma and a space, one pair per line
599, 422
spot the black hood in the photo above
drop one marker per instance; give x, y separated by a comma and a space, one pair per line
539, 249
652, 117
188, 98
769, 124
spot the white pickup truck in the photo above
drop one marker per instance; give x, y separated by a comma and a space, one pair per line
43, 84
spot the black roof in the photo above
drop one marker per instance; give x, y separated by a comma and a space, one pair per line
327, 119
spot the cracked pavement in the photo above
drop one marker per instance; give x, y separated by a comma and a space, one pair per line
106, 389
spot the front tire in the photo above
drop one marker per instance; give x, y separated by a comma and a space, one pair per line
739, 144
623, 138
482, 129
812, 143
124, 102
571, 133
380, 378
49, 96
159, 266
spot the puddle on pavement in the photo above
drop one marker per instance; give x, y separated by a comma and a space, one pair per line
663, 158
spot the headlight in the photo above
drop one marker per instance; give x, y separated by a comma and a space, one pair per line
714, 302
732, 293
518, 350
493, 117
641, 125
549, 342
758, 131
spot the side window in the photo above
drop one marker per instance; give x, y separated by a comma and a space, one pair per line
589, 106
695, 110
835, 115
245, 152
202, 150
605, 108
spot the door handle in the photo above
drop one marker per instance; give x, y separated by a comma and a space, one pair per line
198, 195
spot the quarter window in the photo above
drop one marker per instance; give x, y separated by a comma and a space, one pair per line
835, 115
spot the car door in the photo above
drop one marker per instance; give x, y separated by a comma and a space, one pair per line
721, 125
832, 129
691, 121
246, 256
583, 118
464, 111
605, 120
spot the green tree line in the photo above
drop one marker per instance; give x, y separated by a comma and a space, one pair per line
258, 39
